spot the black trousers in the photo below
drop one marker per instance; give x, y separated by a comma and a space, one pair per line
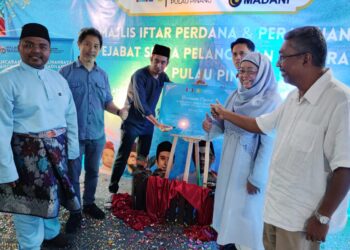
127, 140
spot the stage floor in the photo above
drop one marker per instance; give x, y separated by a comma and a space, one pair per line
112, 233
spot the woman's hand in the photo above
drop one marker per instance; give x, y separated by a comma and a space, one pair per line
217, 111
207, 123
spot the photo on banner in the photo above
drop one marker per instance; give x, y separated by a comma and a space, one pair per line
184, 107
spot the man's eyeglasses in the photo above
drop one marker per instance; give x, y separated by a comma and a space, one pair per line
248, 72
282, 58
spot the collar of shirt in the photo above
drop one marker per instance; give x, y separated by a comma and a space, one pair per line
78, 64
316, 90
30, 68
41, 74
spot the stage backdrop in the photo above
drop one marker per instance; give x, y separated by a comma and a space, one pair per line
61, 52
198, 32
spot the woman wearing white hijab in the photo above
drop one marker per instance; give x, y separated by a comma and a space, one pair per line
243, 173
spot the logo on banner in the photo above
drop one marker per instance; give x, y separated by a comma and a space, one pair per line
193, 90
234, 3
198, 7
8, 49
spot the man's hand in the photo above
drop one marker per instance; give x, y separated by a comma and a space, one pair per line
207, 123
164, 128
315, 231
251, 189
123, 113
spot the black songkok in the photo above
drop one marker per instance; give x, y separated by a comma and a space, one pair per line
35, 30
163, 146
161, 50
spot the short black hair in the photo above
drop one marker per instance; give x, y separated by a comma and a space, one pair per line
309, 39
241, 40
202, 144
163, 146
84, 32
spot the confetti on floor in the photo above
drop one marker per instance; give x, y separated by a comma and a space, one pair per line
112, 233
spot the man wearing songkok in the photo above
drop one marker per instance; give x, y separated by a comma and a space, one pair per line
39, 133
143, 93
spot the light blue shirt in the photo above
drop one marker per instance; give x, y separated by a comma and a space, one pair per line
31, 101
91, 93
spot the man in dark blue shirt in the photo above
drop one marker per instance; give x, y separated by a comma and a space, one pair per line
92, 96
143, 93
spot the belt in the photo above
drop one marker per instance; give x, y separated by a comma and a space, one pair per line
46, 134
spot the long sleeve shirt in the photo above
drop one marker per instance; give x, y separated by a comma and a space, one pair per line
91, 92
31, 101
143, 95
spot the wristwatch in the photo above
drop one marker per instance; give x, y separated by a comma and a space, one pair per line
321, 218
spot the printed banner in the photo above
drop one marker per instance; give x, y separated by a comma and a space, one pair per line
199, 33
202, 7
61, 52
184, 106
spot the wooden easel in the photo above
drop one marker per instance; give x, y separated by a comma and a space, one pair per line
191, 140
